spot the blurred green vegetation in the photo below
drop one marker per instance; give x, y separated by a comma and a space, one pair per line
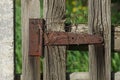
77, 61
76, 12
18, 40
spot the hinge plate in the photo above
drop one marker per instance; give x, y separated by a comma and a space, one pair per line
38, 38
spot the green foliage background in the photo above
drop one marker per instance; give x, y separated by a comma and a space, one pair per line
76, 12
18, 40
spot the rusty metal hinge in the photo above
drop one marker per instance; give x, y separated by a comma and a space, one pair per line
69, 38
38, 38
35, 36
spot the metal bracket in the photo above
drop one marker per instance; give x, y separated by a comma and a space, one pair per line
38, 38
35, 37
69, 38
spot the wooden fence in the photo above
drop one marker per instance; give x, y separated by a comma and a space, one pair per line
77, 76
99, 22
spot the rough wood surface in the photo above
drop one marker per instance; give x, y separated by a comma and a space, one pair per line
30, 65
55, 57
117, 76
6, 40
81, 76
99, 22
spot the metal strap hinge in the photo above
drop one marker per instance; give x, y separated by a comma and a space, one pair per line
38, 38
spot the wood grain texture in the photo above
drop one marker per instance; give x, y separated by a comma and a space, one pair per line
99, 22
55, 57
30, 65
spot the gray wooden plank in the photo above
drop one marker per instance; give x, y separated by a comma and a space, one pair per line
55, 57
30, 65
99, 22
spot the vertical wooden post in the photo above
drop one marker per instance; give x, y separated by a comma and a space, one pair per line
100, 55
31, 65
55, 59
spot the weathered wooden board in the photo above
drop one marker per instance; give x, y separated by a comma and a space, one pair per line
55, 57
30, 65
99, 22
85, 76
81, 76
